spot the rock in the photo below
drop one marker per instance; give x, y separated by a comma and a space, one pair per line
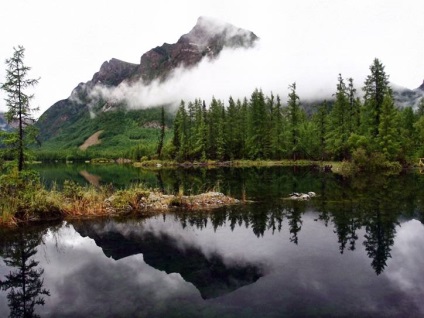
301, 196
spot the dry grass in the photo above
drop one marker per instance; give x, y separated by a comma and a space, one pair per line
23, 201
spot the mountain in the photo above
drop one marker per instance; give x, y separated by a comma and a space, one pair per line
3, 122
210, 274
67, 123
407, 97
421, 87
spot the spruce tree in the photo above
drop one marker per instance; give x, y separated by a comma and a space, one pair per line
339, 124
258, 129
320, 119
231, 129
276, 130
354, 108
216, 130
162, 133
388, 139
294, 115
18, 102
179, 140
375, 89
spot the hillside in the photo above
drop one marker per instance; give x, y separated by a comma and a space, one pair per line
69, 122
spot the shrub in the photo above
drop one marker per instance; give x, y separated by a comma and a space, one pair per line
374, 161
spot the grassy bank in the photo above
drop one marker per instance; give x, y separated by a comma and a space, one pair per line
24, 199
236, 163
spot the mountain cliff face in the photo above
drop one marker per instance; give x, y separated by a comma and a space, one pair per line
407, 97
421, 87
206, 40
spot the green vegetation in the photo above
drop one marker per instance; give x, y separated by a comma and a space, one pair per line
126, 134
16, 142
260, 128
25, 199
371, 134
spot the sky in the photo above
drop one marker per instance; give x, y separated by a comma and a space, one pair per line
305, 41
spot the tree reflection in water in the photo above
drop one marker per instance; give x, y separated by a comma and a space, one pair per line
25, 282
373, 203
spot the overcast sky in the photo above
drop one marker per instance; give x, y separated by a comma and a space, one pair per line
304, 41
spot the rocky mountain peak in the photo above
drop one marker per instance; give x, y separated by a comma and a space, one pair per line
208, 30
421, 87
113, 72
207, 39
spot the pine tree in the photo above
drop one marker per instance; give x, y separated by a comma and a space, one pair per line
354, 108
276, 130
294, 114
258, 129
216, 130
321, 122
18, 102
162, 133
375, 89
388, 129
408, 135
179, 140
339, 124
231, 129
244, 127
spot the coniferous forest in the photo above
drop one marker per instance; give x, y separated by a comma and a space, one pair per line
369, 130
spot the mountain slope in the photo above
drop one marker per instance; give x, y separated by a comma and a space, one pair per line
66, 118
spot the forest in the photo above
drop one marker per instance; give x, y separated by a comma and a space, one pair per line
360, 126
370, 130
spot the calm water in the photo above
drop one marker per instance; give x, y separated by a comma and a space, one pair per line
357, 250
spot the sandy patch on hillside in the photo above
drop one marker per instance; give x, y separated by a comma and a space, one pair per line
91, 141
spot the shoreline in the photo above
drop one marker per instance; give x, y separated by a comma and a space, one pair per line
90, 202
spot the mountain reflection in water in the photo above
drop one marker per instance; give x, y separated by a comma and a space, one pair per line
209, 273
356, 250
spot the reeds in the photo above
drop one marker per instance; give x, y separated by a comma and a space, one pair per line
23, 199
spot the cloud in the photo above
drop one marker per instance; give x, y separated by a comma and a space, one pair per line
236, 73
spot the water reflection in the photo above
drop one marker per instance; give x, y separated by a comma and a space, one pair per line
209, 273
24, 283
236, 262
356, 250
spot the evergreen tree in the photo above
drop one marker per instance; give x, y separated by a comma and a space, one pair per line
180, 133
276, 130
18, 102
354, 108
258, 130
321, 123
419, 130
232, 141
388, 132
196, 127
25, 282
162, 133
294, 113
244, 127
376, 87
408, 136
216, 130
339, 124
420, 110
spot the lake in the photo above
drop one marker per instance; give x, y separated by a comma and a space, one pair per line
355, 250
